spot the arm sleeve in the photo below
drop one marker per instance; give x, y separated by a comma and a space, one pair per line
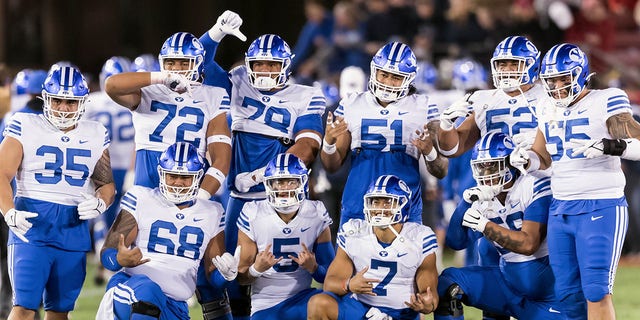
324, 255
214, 75
458, 237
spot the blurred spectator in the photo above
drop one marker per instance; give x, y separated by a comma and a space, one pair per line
389, 20
315, 33
463, 32
347, 38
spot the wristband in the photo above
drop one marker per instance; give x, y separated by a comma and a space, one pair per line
534, 161
345, 286
216, 174
328, 148
613, 147
433, 154
221, 138
109, 259
255, 273
157, 77
310, 135
203, 194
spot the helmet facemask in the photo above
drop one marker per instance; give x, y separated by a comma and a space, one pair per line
383, 210
62, 119
175, 193
570, 87
389, 93
268, 80
492, 172
511, 80
192, 72
285, 192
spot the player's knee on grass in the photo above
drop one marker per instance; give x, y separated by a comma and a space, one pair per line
217, 309
450, 304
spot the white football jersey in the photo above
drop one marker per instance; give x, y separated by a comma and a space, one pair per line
525, 190
575, 178
260, 222
395, 265
385, 129
117, 120
56, 165
494, 110
165, 117
271, 113
175, 240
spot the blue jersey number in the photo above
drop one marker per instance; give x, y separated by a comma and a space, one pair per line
120, 126
278, 252
274, 117
392, 266
185, 112
185, 243
496, 125
569, 128
379, 138
56, 165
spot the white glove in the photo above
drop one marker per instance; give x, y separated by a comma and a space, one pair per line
203, 194
456, 110
228, 22
524, 139
590, 148
479, 193
375, 314
18, 223
245, 180
519, 159
91, 207
228, 264
174, 81
474, 220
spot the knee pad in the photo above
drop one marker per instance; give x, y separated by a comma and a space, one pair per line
146, 309
241, 305
217, 309
450, 304
493, 316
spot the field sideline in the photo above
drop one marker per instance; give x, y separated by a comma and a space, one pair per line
625, 299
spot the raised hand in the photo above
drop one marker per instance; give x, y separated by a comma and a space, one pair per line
336, 126
228, 22
306, 259
228, 264
129, 257
424, 144
265, 260
174, 81
474, 220
519, 159
458, 109
479, 193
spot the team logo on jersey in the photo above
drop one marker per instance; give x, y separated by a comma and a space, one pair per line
179, 99
384, 112
64, 139
383, 253
567, 112
286, 230
513, 101
265, 99
180, 216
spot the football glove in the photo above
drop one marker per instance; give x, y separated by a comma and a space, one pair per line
91, 207
174, 81
228, 22
524, 139
474, 220
18, 223
227, 264
375, 314
245, 180
479, 193
519, 159
590, 148
456, 110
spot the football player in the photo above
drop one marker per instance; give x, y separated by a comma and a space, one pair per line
385, 267
63, 175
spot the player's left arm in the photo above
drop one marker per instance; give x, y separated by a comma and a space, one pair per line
306, 146
339, 274
437, 167
426, 299
524, 241
317, 261
102, 178
625, 131
11, 151
219, 150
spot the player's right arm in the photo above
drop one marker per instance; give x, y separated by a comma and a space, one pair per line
247, 258
452, 143
125, 88
11, 151
116, 252
340, 270
336, 144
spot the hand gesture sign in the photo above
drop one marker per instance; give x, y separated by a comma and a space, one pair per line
334, 128
423, 141
265, 260
422, 302
306, 259
361, 285
129, 257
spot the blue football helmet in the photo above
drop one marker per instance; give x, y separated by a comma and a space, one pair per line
522, 50
468, 74
113, 65
145, 63
489, 161
183, 45
286, 182
565, 60
29, 81
387, 201
269, 47
396, 58
427, 77
180, 158
65, 83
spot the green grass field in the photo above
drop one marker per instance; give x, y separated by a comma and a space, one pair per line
625, 300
